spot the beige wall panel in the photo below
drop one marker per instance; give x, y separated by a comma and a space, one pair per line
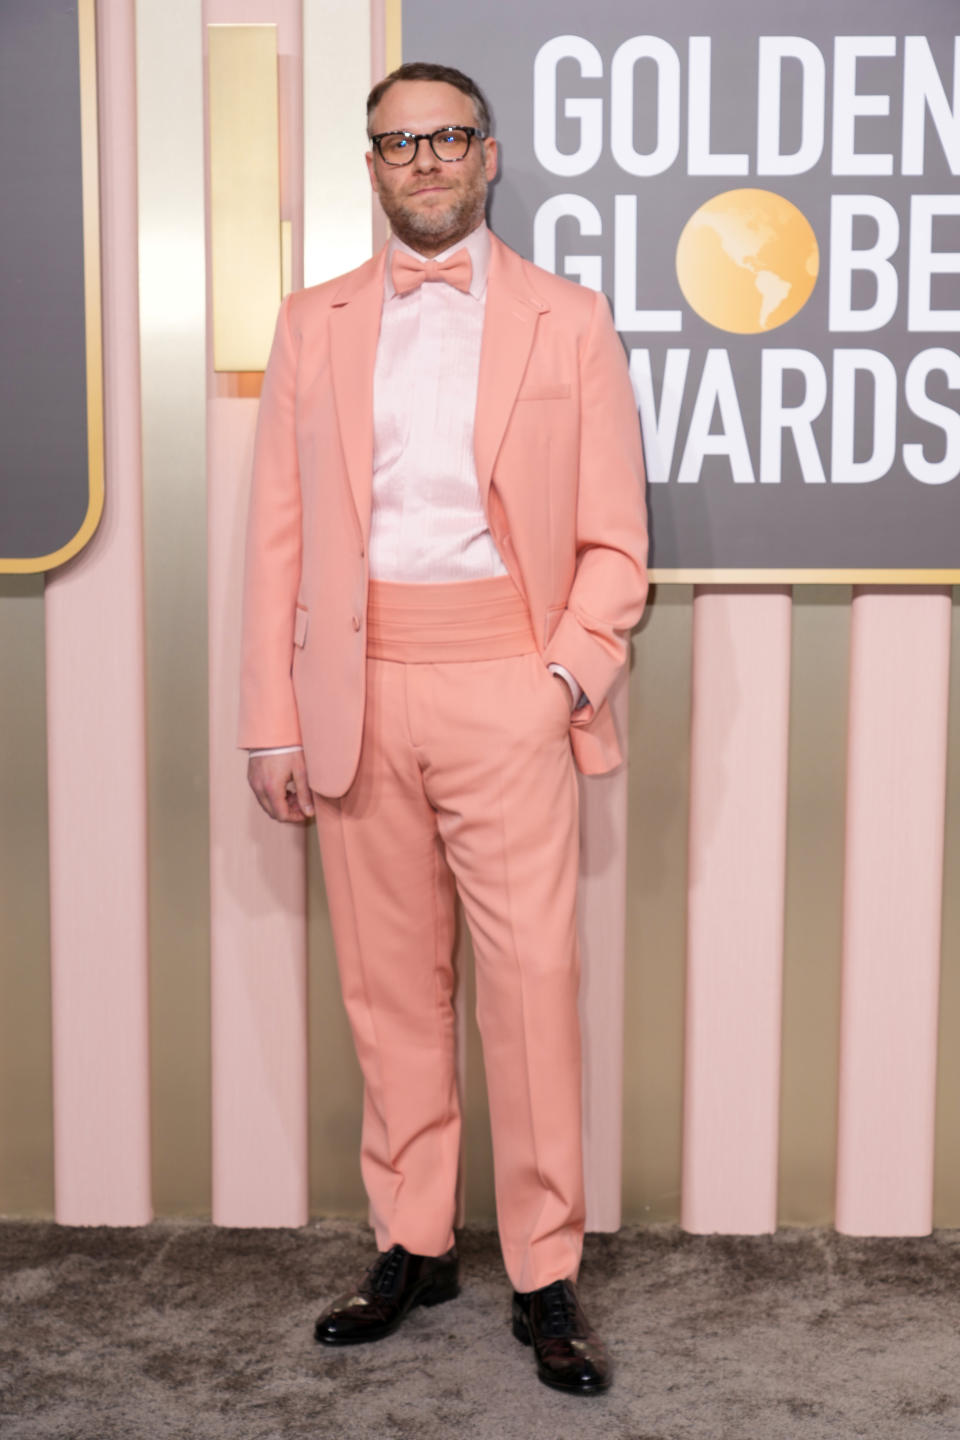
173, 360
659, 782
336, 1085
814, 903
26, 1098
480, 1203
337, 199
336, 236
946, 1194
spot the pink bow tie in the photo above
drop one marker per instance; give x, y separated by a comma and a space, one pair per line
408, 272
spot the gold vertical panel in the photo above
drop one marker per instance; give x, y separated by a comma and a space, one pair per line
814, 903
946, 1197
26, 1100
393, 26
658, 799
337, 199
244, 193
173, 389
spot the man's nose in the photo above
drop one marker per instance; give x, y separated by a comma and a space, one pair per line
425, 158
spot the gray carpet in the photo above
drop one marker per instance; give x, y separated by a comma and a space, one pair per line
183, 1330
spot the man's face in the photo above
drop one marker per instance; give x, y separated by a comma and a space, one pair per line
430, 203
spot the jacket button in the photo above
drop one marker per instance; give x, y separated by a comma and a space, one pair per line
356, 622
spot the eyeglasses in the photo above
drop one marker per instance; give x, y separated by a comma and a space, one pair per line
399, 147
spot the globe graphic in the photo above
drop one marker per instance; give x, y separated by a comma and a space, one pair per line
747, 261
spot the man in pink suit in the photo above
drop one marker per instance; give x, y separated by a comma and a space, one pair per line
446, 554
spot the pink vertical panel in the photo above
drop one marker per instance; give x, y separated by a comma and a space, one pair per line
896, 789
96, 743
738, 816
602, 917
378, 68
257, 903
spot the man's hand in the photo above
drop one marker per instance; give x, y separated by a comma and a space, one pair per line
280, 784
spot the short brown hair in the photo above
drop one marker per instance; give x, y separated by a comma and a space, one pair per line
423, 70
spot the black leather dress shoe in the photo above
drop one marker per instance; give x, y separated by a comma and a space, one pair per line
570, 1354
394, 1284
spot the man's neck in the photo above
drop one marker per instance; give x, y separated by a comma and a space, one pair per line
430, 252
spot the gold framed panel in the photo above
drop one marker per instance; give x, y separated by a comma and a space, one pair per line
243, 134
93, 317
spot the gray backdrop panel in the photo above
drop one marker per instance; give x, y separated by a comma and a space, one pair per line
44, 485
894, 521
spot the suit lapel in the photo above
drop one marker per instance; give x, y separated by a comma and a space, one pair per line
354, 331
509, 327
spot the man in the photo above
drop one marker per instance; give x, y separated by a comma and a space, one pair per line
446, 553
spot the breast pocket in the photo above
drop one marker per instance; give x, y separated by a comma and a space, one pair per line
559, 390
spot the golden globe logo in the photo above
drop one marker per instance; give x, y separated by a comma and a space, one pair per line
747, 261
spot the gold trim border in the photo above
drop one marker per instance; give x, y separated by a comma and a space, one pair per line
93, 315
756, 576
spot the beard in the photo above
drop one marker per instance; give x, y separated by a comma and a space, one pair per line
441, 227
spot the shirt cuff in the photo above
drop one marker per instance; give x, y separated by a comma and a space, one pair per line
579, 699
280, 750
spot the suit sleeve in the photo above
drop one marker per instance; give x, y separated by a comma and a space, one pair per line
610, 583
268, 709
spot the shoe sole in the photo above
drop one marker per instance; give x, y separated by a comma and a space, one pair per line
574, 1389
427, 1299
522, 1334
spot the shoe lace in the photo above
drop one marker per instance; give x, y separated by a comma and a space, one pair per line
560, 1308
383, 1272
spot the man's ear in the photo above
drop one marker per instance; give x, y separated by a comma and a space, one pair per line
371, 171
491, 158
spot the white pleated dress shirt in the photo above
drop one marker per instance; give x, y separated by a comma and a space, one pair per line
427, 522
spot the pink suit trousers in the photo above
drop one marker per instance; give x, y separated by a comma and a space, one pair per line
466, 783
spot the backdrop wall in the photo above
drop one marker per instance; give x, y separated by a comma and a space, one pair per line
835, 703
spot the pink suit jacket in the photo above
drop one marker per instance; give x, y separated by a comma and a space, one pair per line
560, 467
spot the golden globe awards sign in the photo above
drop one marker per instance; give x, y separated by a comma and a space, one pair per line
769, 198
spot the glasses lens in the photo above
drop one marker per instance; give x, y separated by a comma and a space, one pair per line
450, 144
397, 149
